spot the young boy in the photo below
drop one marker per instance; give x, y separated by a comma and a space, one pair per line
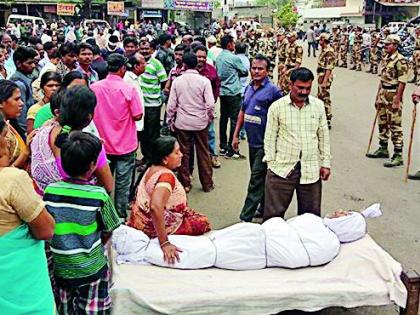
85, 218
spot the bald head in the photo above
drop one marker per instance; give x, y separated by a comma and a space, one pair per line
187, 39
137, 64
6, 40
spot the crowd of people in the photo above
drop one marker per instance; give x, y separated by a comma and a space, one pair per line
124, 113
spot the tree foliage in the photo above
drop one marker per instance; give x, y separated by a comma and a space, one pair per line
217, 4
274, 4
287, 15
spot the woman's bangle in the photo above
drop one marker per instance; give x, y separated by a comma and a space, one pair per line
164, 243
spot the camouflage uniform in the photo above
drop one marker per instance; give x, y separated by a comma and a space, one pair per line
416, 60
252, 43
344, 48
336, 42
326, 61
356, 54
394, 71
374, 54
260, 47
281, 53
294, 55
270, 51
382, 52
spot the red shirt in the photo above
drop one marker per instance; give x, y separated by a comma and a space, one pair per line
210, 73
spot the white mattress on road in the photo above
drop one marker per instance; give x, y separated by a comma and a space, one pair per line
362, 274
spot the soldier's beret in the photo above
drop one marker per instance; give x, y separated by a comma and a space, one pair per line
292, 34
392, 39
324, 36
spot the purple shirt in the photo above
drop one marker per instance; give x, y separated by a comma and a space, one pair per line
210, 73
191, 102
255, 107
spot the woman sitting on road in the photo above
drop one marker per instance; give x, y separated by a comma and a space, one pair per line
160, 208
24, 222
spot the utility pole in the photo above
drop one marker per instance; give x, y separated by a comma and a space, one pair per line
225, 11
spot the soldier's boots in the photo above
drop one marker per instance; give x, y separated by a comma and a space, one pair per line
395, 161
413, 80
381, 153
353, 68
414, 176
359, 68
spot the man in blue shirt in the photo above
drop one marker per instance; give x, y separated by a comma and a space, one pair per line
24, 59
229, 69
258, 97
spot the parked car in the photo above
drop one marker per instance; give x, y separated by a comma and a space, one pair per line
394, 27
101, 23
411, 25
257, 25
17, 18
184, 28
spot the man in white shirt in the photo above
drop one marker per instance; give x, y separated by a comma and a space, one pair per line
214, 51
135, 67
310, 37
366, 44
46, 36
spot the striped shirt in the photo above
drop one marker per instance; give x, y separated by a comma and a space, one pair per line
297, 135
150, 82
82, 213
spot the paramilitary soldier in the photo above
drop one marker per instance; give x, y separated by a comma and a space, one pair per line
335, 41
294, 55
416, 58
326, 64
356, 53
375, 53
281, 53
389, 102
270, 50
344, 48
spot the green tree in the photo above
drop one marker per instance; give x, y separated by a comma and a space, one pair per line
217, 4
287, 16
273, 4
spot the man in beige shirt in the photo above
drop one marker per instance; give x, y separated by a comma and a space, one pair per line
190, 111
297, 149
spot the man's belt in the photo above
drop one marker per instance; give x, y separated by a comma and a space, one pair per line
290, 67
320, 70
389, 86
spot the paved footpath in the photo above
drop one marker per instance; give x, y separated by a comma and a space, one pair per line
356, 181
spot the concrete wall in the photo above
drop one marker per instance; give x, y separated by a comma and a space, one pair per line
257, 13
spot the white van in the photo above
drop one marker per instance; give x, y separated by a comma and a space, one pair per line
101, 23
17, 18
257, 26
394, 27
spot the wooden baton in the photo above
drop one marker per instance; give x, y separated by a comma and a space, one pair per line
410, 145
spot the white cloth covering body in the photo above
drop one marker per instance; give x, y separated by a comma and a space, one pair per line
362, 274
